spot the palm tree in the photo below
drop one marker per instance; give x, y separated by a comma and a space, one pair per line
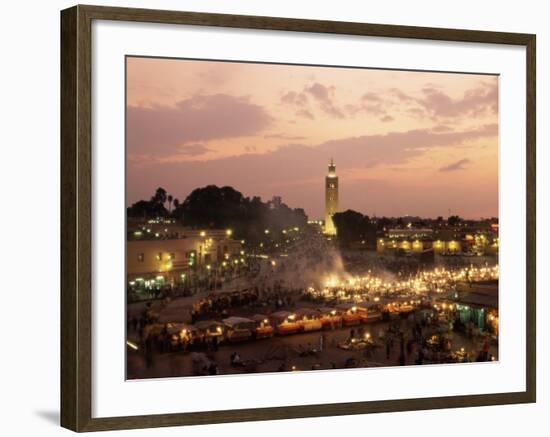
160, 196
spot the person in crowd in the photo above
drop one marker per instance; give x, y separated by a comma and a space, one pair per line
212, 368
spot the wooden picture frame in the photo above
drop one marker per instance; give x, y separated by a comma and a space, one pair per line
76, 218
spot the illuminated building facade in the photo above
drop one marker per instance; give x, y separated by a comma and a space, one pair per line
331, 198
169, 258
442, 241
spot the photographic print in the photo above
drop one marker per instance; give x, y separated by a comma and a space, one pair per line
290, 218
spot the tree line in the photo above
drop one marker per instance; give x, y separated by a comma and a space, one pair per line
220, 208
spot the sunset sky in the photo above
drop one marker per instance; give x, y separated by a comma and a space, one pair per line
403, 142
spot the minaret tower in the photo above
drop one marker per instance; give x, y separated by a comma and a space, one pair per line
331, 198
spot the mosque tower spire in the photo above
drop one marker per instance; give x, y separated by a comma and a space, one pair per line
331, 198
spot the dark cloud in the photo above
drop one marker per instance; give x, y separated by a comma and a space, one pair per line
387, 118
432, 102
483, 99
160, 130
324, 96
398, 147
458, 165
401, 96
435, 104
371, 97
294, 98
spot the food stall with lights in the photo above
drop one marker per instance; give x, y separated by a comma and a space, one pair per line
309, 319
478, 304
263, 327
331, 318
238, 328
353, 313
181, 334
210, 329
285, 323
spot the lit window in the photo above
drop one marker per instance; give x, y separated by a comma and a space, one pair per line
141, 257
159, 256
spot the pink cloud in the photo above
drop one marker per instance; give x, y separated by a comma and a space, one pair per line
455, 166
294, 98
298, 166
474, 101
324, 96
160, 130
305, 114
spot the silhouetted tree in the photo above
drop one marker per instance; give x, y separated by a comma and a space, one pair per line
149, 208
383, 222
160, 196
225, 207
454, 220
353, 226
146, 209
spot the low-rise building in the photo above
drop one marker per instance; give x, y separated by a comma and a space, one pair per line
449, 240
165, 260
417, 240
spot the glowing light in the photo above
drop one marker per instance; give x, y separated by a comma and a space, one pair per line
132, 345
